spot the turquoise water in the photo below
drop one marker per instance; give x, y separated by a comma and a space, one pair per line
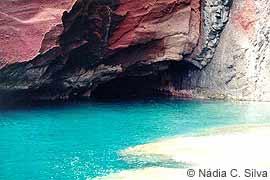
81, 140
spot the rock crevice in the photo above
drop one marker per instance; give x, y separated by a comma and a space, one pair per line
103, 41
215, 16
187, 48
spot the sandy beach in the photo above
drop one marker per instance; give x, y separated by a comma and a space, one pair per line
238, 147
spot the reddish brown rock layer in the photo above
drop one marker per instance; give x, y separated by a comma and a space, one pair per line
23, 24
106, 41
175, 22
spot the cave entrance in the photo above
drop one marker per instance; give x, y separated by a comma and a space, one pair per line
128, 87
176, 76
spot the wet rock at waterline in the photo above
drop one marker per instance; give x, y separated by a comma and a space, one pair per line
119, 48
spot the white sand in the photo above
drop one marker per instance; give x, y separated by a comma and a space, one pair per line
231, 147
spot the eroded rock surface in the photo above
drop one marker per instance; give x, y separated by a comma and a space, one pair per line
23, 25
240, 69
215, 17
240, 66
108, 40
187, 48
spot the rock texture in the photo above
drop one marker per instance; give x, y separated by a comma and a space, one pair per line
114, 48
240, 69
23, 25
174, 23
105, 44
215, 17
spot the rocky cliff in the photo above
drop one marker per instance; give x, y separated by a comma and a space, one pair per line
115, 48
240, 67
23, 25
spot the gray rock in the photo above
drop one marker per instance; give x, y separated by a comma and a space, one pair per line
216, 15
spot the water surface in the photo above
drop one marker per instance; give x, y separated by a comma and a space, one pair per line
82, 140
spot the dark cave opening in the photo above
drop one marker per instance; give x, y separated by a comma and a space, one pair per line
139, 82
177, 75
127, 87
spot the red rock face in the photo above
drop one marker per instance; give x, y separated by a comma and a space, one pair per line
99, 42
175, 23
23, 24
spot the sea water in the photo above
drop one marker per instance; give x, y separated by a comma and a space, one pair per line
82, 140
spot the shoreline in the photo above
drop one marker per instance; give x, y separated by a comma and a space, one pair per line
240, 146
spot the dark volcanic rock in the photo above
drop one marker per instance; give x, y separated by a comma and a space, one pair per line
240, 69
115, 48
215, 17
106, 43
